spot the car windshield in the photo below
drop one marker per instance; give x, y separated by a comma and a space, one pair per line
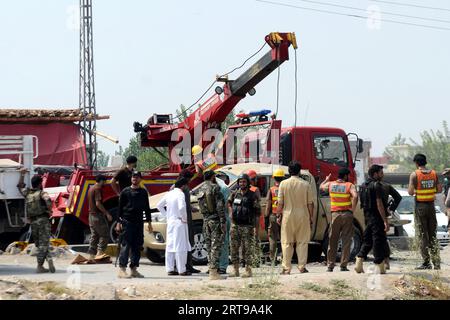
406, 205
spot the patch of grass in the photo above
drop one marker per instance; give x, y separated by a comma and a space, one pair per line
339, 290
418, 287
258, 292
263, 285
51, 287
313, 287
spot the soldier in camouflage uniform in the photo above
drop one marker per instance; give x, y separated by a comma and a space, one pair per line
243, 205
212, 207
38, 206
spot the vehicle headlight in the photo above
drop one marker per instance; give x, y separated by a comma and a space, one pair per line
158, 217
442, 229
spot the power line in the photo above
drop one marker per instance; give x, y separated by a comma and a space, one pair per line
383, 12
354, 15
411, 5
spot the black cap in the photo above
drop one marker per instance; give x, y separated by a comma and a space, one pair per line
343, 172
131, 159
136, 174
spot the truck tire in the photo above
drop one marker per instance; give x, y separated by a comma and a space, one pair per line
354, 247
113, 236
73, 231
199, 254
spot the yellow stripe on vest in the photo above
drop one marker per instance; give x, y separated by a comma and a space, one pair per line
341, 204
339, 195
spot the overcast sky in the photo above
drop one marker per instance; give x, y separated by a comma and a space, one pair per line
152, 56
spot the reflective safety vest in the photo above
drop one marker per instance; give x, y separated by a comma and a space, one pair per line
274, 192
426, 186
340, 196
210, 163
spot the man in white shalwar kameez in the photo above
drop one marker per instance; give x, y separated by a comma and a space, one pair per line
173, 207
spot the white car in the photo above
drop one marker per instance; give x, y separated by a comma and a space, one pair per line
406, 212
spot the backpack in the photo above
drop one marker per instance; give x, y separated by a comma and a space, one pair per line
206, 201
243, 209
33, 202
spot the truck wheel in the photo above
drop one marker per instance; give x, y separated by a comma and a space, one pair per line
354, 247
199, 254
112, 225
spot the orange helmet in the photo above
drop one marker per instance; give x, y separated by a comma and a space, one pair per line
251, 173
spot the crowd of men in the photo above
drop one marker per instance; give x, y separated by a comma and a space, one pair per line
232, 220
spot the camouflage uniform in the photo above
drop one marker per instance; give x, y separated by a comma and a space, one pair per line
256, 252
242, 232
212, 207
40, 224
40, 231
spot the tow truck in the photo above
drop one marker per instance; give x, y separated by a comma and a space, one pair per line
70, 207
320, 150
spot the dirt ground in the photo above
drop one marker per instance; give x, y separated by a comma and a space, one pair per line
18, 280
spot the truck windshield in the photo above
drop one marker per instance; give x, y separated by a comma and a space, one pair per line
331, 149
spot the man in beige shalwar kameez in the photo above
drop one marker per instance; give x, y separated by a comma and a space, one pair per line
295, 205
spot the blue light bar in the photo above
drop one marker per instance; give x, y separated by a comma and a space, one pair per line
259, 113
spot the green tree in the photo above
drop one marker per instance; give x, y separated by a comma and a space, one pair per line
148, 158
102, 159
435, 145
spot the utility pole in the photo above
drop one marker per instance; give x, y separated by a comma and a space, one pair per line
87, 88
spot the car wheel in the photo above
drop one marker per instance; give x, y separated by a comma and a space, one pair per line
199, 253
355, 246
154, 256
314, 253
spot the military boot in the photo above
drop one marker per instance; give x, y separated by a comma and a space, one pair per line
41, 269
214, 275
235, 271
247, 273
51, 265
123, 273
359, 265
135, 273
381, 268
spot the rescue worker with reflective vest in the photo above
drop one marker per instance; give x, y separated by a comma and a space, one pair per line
424, 184
212, 207
38, 206
271, 213
259, 220
202, 165
242, 207
343, 198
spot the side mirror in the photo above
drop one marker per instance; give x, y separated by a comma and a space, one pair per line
360, 145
